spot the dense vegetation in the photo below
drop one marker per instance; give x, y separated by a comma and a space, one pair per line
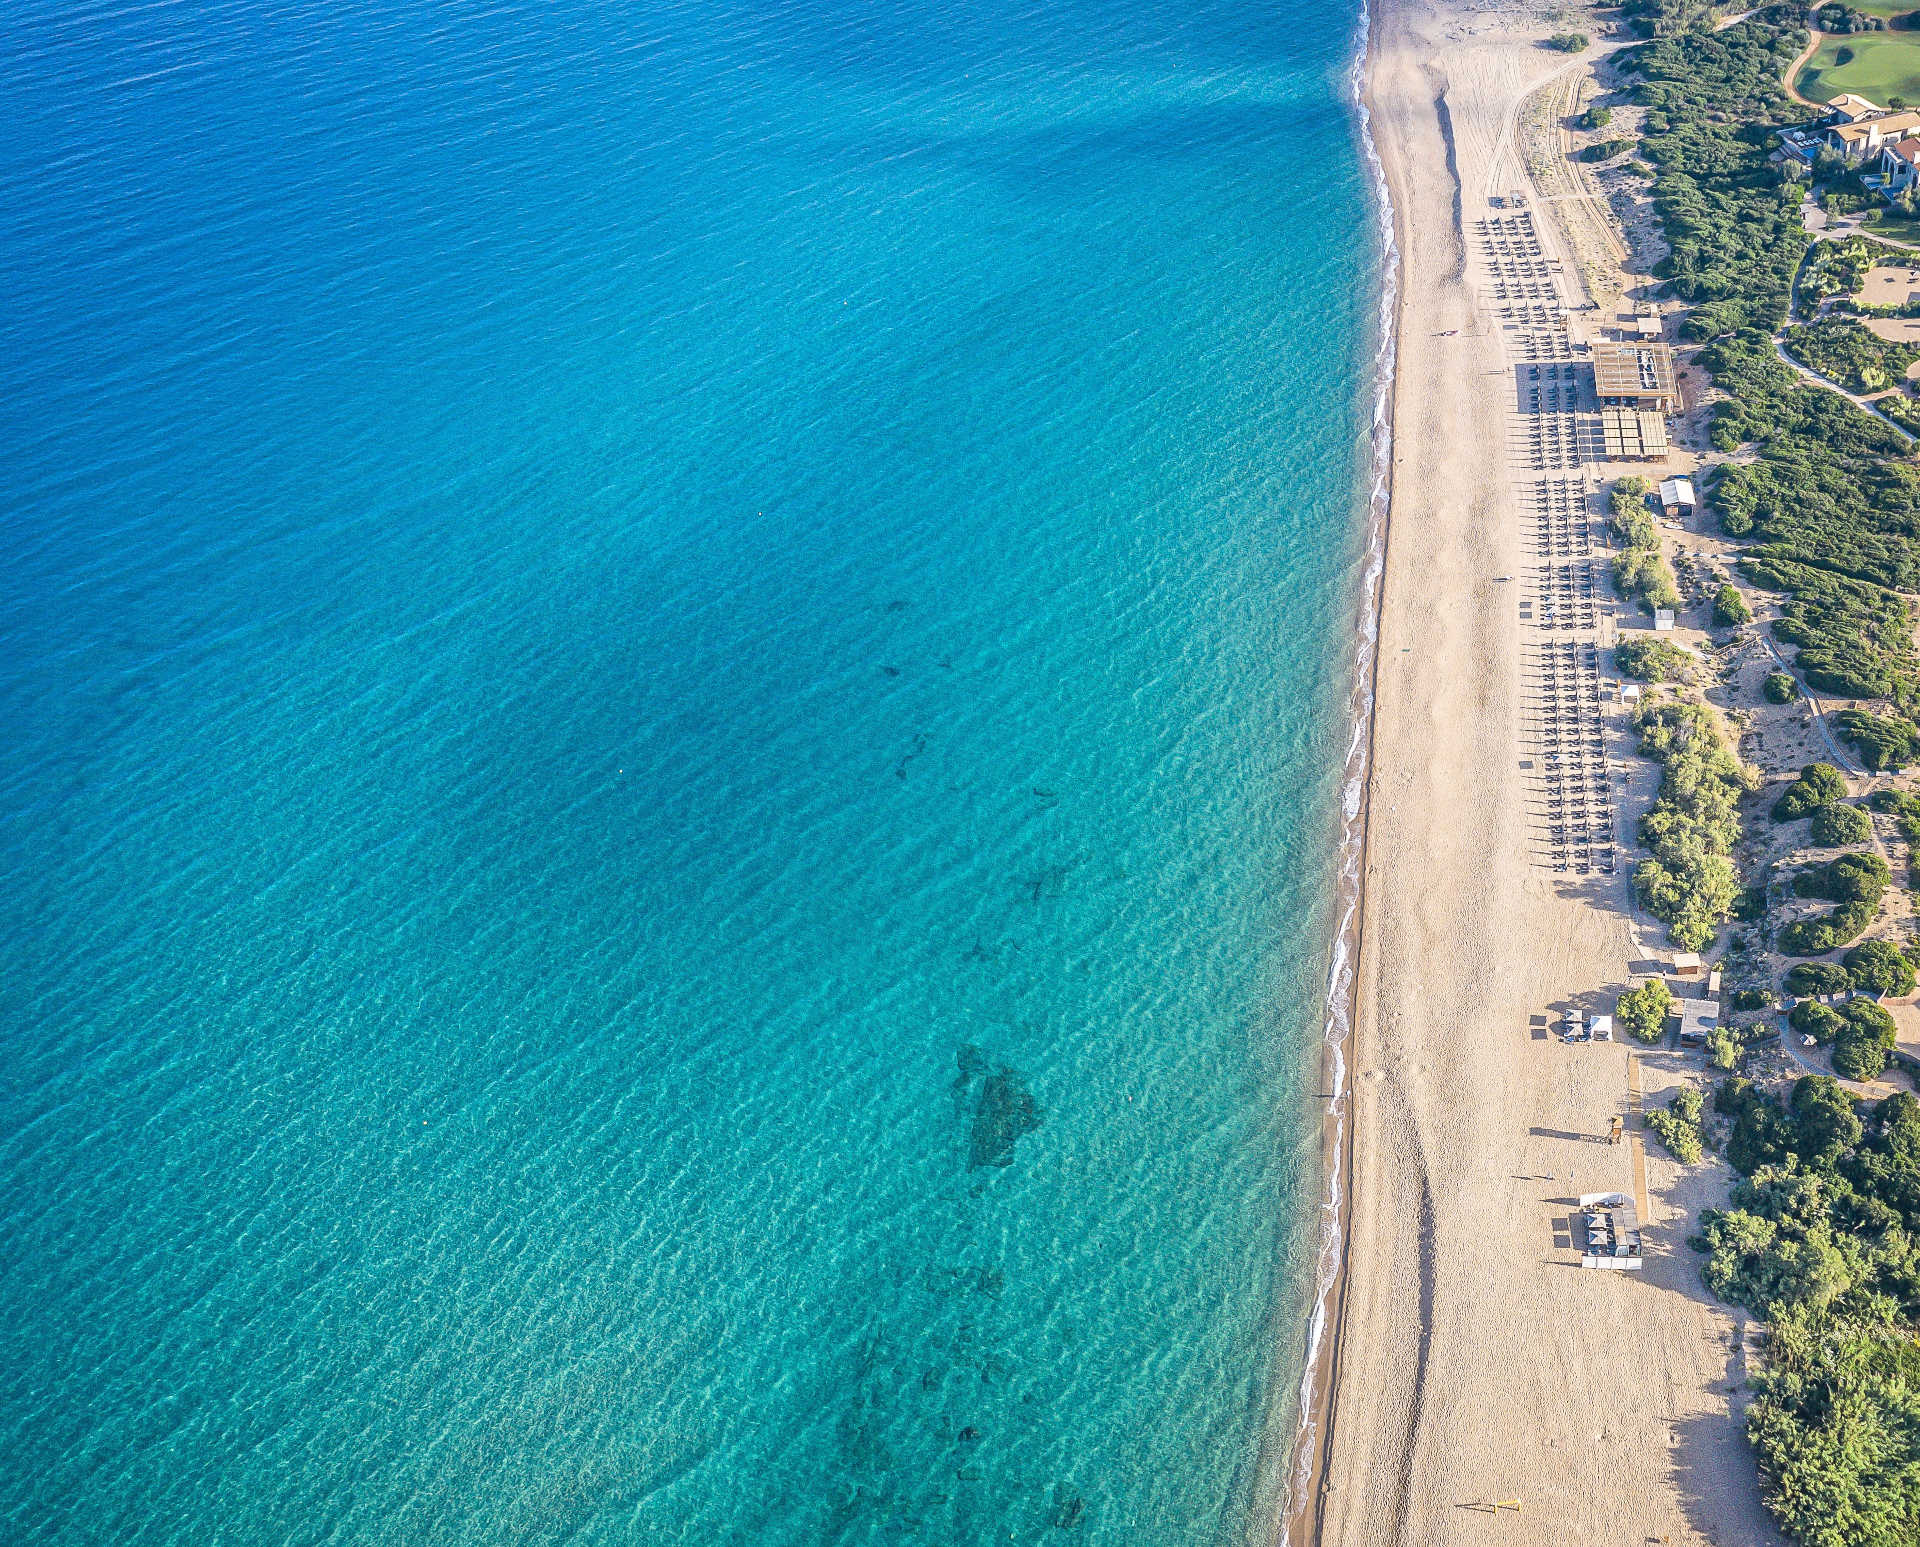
1883, 743
1652, 660
1638, 569
1830, 500
1730, 607
1821, 1236
1836, 825
1642, 1011
1780, 688
1821, 1240
1688, 881
1856, 882
1568, 42
1819, 784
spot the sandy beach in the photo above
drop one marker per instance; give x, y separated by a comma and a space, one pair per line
1474, 1362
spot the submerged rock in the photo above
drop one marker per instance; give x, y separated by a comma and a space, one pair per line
1004, 1114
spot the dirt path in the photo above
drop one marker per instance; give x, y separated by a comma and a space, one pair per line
1799, 63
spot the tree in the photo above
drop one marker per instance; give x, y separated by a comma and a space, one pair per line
1806, 979
1819, 784
1835, 824
1730, 607
1824, 1121
1878, 967
1642, 1011
1813, 1019
1860, 1050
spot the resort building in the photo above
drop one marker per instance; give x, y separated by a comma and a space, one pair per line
1697, 1018
1633, 435
1850, 107
1898, 163
1636, 375
1861, 140
1611, 1225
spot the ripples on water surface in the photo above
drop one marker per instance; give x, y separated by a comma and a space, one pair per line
670, 678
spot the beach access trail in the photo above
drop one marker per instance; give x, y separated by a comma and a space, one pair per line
1475, 1362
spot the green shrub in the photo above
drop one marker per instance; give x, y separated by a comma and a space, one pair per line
1605, 150
1819, 784
1860, 1049
1568, 42
1642, 1011
1843, 351
1813, 1019
1834, 1430
1780, 688
1682, 1138
1596, 117
1723, 1048
1878, 967
1688, 881
1749, 999
1730, 607
1643, 576
1835, 824
1882, 743
1806, 979
1653, 660
1817, 936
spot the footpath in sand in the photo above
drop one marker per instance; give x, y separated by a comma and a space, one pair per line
1477, 1362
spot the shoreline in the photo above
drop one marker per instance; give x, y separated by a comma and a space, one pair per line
1455, 1364
1298, 1521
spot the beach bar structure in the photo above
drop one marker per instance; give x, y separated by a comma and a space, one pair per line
1633, 434
1612, 1231
1677, 497
1697, 1017
1635, 375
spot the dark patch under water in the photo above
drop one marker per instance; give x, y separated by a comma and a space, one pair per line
1003, 1109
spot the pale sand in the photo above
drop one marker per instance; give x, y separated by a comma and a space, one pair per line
1475, 1360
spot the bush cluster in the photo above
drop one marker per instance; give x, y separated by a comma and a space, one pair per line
1679, 1126
1807, 979
1835, 825
1882, 742
1842, 350
1688, 881
1568, 42
1780, 688
1653, 660
1819, 784
1638, 569
1642, 1011
1820, 1239
1730, 607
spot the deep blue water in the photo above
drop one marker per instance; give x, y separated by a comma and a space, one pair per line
672, 680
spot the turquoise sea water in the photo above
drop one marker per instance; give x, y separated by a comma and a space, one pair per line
672, 679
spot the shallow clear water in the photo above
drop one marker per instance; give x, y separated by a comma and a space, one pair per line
672, 682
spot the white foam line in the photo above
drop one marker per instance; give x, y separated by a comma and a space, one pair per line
1337, 1024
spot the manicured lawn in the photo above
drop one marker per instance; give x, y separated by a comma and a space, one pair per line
1883, 7
1882, 65
1884, 222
